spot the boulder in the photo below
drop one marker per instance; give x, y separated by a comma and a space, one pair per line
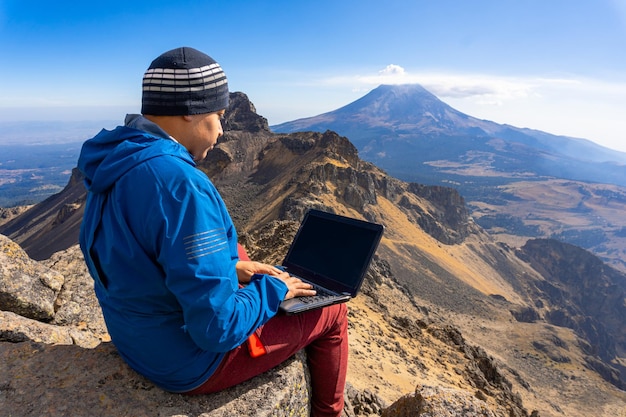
27, 288
439, 402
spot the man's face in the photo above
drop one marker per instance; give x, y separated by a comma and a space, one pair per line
202, 133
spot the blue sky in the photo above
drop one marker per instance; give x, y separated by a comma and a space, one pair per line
552, 65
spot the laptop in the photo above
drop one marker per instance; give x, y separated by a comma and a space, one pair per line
332, 253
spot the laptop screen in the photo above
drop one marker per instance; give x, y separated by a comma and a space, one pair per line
333, 251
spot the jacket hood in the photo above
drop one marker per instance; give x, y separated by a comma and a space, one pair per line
112, 153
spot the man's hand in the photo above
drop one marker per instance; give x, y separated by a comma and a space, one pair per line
245, 270
295, 286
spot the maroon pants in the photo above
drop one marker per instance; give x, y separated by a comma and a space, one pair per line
323, 333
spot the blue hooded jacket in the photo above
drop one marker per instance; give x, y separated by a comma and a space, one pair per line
162, 249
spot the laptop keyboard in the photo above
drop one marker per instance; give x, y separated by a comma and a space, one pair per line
321, 294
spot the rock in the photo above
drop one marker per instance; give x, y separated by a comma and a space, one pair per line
62, 380
242, 115
362, 403
438, 402
27, 288
15, 328
6, 214
525, 314
76, 305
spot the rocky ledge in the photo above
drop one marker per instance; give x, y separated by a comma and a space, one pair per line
63, 380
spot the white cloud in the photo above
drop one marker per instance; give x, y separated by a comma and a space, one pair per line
392, 70
441, 84
579, 107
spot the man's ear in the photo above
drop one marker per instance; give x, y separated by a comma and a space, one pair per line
187, 118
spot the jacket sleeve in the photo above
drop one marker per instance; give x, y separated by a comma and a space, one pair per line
197, 250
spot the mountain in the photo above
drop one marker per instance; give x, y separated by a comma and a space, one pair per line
410, 133
446, 312
518, 183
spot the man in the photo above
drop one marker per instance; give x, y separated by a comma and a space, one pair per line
179, 304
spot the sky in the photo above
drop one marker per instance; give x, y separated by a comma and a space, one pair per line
553, 65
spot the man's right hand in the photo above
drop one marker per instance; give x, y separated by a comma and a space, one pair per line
295, 286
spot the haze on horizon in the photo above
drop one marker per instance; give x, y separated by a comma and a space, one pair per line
554, 66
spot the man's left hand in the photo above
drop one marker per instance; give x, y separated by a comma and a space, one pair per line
245, 270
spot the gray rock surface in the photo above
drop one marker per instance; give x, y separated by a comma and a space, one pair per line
67, 380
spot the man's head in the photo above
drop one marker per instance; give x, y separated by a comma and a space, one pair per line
183, 82
186, 92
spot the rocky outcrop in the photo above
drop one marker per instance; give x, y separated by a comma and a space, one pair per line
584, 294
242, 115
6, 214
450, 222
440, 402
26, 287
310, 168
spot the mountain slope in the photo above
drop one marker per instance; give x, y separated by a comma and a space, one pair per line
51, 225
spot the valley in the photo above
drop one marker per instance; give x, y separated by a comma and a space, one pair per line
584, 214
29, 173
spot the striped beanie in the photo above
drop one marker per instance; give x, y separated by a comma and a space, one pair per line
184, 81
